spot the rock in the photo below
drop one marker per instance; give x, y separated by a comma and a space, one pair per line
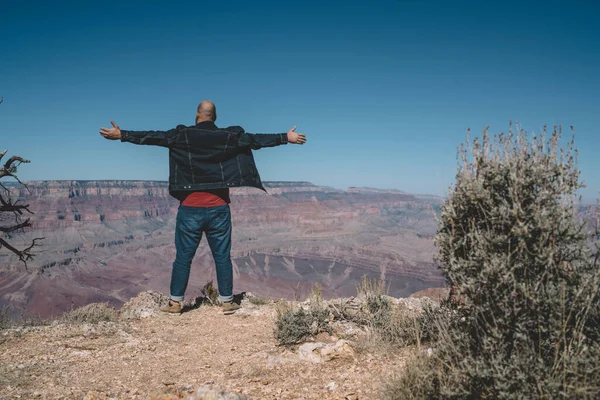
351, 396
339, 349
415, 304
144, 305
211, 392
309, 352
284, 358
319, 352
331, 386
323, 337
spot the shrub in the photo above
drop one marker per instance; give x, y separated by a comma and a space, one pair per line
390, 324
210, 293
5, 321
511, 244
293, 325
91, 313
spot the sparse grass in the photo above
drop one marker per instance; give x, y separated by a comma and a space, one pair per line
92, 314
316, 296
415, 381
372, 287
389, 324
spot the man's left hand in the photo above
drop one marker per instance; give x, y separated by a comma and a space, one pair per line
113, 133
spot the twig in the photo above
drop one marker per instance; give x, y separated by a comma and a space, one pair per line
25, 254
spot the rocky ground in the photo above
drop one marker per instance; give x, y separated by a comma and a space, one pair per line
145, 354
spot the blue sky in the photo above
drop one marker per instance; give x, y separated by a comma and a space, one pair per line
385, 90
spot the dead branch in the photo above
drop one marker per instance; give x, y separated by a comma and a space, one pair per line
7, 205
10, 167
24, 224
25, 254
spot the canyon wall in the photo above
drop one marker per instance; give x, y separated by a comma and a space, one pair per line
109, 240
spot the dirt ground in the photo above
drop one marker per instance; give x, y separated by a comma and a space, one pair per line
175, 354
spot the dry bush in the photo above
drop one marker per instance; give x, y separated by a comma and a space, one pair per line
91, 314
295, 324
5, 320
513, 246
210, 293
389, 324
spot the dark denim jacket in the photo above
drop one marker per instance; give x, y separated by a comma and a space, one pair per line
206, 157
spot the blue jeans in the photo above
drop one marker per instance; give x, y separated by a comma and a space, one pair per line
191, 222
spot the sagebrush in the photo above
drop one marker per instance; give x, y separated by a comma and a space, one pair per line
516, 250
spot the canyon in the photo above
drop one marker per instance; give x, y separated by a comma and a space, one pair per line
106, 241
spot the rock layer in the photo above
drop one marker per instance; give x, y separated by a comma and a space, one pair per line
106, 241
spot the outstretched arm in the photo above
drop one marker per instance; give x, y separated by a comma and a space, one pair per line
153, 138
260, 140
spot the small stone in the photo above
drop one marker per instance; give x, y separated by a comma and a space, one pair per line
331, 386
37, 394
264, 382
351, 396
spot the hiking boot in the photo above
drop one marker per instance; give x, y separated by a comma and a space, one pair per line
172, 307
230, 307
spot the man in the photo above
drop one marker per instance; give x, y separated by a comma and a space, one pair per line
204, 162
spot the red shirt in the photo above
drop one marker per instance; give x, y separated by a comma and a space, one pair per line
207, 198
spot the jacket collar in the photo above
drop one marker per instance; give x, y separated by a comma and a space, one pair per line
207, 125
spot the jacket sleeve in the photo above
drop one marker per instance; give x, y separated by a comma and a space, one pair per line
152, 138
259, 140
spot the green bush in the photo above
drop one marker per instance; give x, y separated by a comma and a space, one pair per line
513, 246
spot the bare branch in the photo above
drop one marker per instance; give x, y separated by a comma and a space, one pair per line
24, 224
10, 167
7, 205
15, 208
25, 254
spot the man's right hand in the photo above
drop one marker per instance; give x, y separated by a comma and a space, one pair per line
113, 133
294, 137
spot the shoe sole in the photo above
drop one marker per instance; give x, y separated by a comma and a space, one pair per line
170, 312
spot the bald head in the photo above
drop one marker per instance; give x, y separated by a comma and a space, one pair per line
206, 112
